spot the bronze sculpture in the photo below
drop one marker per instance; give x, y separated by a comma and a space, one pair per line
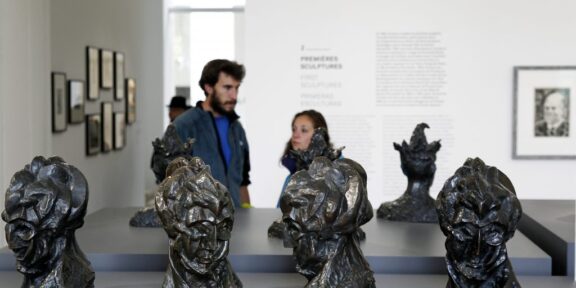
166, 149
322, 208
45, 204
478, 212
418, 164
198, 214
318, 147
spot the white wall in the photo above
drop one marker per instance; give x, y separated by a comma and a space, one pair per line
134, 27
483, 41
24, 86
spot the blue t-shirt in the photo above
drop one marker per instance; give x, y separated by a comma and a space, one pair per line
222, 125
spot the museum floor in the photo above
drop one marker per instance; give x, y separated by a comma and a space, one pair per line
400, 254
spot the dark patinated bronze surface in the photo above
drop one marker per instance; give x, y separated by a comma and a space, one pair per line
45, 204
322, 208
198, 214
478, 212
418, 164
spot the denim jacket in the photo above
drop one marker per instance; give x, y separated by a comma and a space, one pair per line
199, 124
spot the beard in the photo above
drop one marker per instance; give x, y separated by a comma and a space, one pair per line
218, 106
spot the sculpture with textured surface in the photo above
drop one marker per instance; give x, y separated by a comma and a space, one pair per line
478, 212
45, 204
322, 208
198, 214
418, 164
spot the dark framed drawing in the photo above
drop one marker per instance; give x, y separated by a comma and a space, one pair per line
106, 126
75, 101
93, 136
544, 107
59, 102
119, 90
130, 101
92, 72
119, 130
106, 69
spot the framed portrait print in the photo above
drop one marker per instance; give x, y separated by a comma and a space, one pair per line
92, 72
93, 136
544, 107
119, 130
59, 102
75, 101
119, 90
130, 101
106, 69
106, 126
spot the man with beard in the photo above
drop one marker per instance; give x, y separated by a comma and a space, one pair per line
219, 137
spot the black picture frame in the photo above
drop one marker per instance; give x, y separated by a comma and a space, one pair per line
92, 73
119, 85
538, 134
130, 101
106, 69
93, 134
76, 104
59, 102
107, 132
119, 130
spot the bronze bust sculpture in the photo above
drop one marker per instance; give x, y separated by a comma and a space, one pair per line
198, 214
323, 207
478, 212
418, 164
45, 204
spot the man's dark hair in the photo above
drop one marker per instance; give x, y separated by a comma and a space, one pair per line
212, 70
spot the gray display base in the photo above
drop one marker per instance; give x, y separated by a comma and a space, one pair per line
550, 225
274, 280
391, 247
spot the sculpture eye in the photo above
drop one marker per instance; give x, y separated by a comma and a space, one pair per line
462, 234
494, 239
196, 234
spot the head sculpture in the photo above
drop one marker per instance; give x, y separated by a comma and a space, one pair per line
198, 214
478, 212
322, 209
45, 204
167, 149
418, 162
418, 158
319, 146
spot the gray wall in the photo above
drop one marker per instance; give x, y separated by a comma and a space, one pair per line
38, 37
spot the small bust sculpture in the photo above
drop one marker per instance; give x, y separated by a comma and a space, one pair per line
418, 164
197, 213
45, 204
166, 149
322, 208
318, 147
478, 212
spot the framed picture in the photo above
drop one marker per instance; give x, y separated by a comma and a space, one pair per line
130, 101
75, 101
119, 90
106, 126
544, 112
119, 130
92, 72
93, 136
59, 102
106, 68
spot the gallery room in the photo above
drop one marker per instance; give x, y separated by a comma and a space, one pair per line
417, 98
